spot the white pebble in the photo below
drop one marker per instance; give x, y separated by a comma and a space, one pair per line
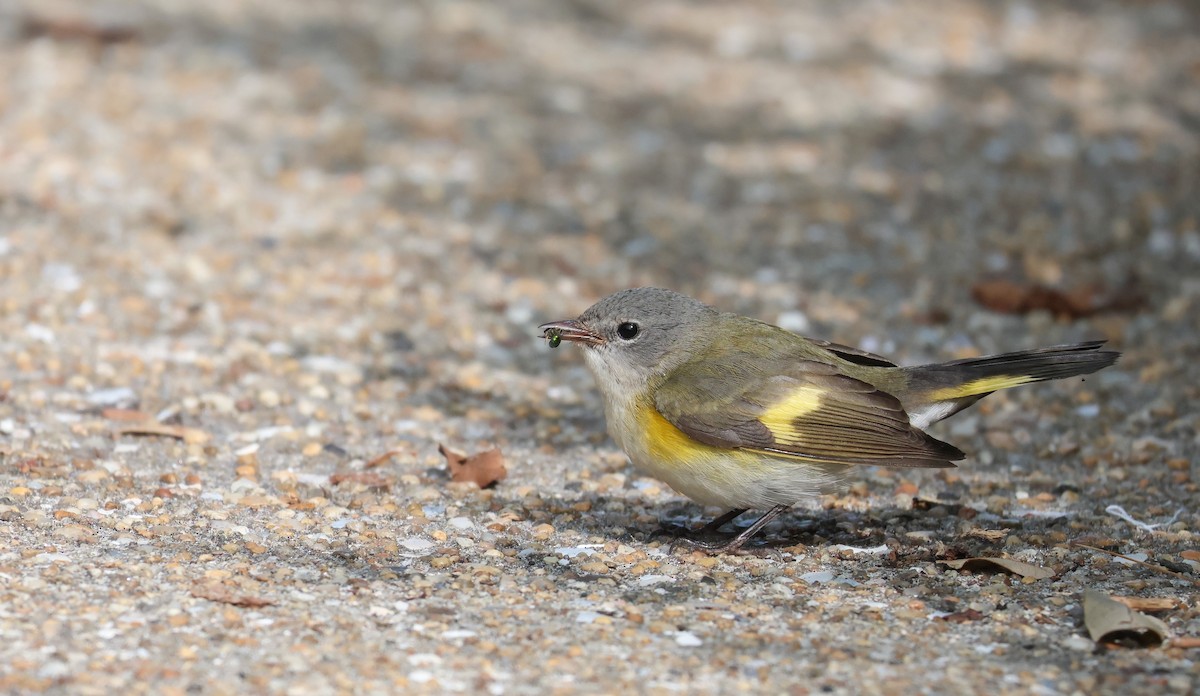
460, 523
111, 397
648, 580
817, 576
417, 544
688, 639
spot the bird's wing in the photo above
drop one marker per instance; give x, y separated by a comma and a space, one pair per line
799, 408
858, 356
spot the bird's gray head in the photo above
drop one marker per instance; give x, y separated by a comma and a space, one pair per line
633, 335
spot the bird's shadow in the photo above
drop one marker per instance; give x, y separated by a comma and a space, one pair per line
913, 533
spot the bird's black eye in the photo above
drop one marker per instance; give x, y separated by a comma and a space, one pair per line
627, 330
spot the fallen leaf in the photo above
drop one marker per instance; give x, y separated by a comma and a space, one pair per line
381, 459
1149, 603
369, 479
1010, 297
963, 616
179, 432
1021, 568
127, 415
217, 592
483, 469
1186, 642
1190, 555
77, 29
1108, 620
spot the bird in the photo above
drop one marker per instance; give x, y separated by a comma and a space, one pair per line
740, 414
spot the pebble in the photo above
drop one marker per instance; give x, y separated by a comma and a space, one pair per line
416, 544
116, 396
318, 237
687, 639
650, 580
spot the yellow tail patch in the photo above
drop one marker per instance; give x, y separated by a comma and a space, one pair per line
980, 386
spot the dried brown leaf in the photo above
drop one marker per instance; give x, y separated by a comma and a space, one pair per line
127, 415
77, 29
963, 616
217, 592
1010, 297
1186, 642
370, 479
483, 469
1149, 603
179, 432
1108, 620
381, 459
1021, 568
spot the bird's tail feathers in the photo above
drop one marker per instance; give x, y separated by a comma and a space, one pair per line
979, 376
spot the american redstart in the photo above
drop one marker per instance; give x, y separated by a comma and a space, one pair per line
737, 413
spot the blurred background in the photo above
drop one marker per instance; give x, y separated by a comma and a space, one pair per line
413, 187
402, 165
216, 189
312, 240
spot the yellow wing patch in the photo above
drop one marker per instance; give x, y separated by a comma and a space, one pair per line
780, 417
980, 386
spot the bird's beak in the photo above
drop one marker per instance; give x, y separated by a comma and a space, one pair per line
571, 330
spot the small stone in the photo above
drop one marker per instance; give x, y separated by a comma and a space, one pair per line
688, 639
269, 398
461, 523
112, 397
92, 476
74, 532
417, 544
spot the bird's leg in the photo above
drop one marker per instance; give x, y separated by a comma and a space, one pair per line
715, 526
709, 529
734, 543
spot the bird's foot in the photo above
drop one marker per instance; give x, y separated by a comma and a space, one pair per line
709, 539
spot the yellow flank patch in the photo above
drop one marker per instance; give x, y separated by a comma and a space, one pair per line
980, 386
780, 417
668, 443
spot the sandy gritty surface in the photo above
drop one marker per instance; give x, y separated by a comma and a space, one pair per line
299, 236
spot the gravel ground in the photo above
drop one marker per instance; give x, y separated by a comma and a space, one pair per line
311, 242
